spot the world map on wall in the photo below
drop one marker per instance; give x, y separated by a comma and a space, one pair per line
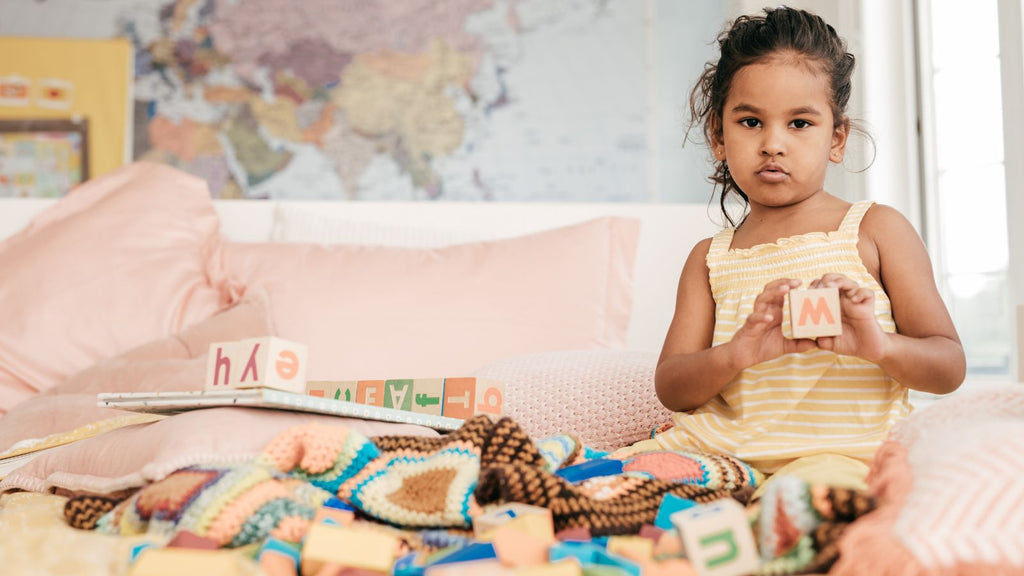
378, 99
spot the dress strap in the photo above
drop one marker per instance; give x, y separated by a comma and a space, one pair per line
721, 242
851, 222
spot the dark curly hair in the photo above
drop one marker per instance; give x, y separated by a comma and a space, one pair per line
752, 39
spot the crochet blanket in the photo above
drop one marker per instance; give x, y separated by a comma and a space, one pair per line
433, 487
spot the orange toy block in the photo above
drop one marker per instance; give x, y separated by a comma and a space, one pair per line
517, 548
815, 312
564, 567
348, 547
532, 520
717, 538
177, 561
267, 362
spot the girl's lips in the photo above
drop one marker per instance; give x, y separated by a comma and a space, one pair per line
772, 174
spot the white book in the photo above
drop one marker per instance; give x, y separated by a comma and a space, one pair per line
173, 402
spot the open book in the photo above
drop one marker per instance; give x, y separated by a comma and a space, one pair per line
172, 402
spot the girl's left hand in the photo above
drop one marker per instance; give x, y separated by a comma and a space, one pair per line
862, 335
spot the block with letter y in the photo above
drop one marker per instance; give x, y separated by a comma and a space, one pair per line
266, 362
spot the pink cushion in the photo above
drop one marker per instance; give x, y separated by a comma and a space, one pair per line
134, 455
950, 489
605, 398
169, 364
386, 312
122, 260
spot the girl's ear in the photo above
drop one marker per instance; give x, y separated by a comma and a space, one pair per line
715, 132
839, 138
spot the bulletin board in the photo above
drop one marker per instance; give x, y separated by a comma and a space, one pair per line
65, 112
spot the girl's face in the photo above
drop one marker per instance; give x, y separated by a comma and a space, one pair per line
778, 132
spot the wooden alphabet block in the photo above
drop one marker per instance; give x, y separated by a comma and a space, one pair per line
176, 561
398, 394
459, 398
370, 392
718, 539
427, 395
333, 390
815, 312
348, 547
533, 520
267, 362
490, 396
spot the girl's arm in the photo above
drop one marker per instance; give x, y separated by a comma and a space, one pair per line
690, 371
926, 353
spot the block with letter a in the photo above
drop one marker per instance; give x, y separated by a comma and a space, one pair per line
815, 312
266, 362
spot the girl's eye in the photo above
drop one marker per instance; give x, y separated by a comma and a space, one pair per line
750, 122
800, 124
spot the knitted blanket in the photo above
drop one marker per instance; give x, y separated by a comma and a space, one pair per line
418, 484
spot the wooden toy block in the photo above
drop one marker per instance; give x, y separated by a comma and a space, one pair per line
565, 567
815, 312
517, 548
177, 561
333, 390
717, 538
370, 392
398, 394
187, 539
328, 515
267, 362
490, 567
533, 520
348, 547
459, 398
632, 547
490, 396
427, 395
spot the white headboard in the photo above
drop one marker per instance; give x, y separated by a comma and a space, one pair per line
667, 233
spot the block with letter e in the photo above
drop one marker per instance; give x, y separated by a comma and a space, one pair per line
815, 312
717, 538
266, 362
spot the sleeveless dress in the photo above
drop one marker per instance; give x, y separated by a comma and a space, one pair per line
801, 404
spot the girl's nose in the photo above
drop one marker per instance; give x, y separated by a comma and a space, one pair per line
772, 143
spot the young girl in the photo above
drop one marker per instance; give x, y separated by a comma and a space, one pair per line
773, 113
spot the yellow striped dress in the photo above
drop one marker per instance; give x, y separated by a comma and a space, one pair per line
797, 405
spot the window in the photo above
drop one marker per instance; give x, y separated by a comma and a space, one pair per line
964, 177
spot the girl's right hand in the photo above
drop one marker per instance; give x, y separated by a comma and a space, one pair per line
760, 338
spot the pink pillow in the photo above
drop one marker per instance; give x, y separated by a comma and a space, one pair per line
605, 398
169, 364
134, 455
384, 312
121, 260
950, 489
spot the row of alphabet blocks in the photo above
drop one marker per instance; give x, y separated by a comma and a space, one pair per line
451, 397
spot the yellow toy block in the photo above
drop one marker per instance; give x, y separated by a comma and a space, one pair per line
532, 520
349, 547
632, 547
177, 561
717, 538
815, 312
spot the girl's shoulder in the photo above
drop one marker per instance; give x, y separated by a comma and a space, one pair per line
883, 223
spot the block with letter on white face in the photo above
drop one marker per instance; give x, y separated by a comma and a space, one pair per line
815, 312
265, 362
717, 538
